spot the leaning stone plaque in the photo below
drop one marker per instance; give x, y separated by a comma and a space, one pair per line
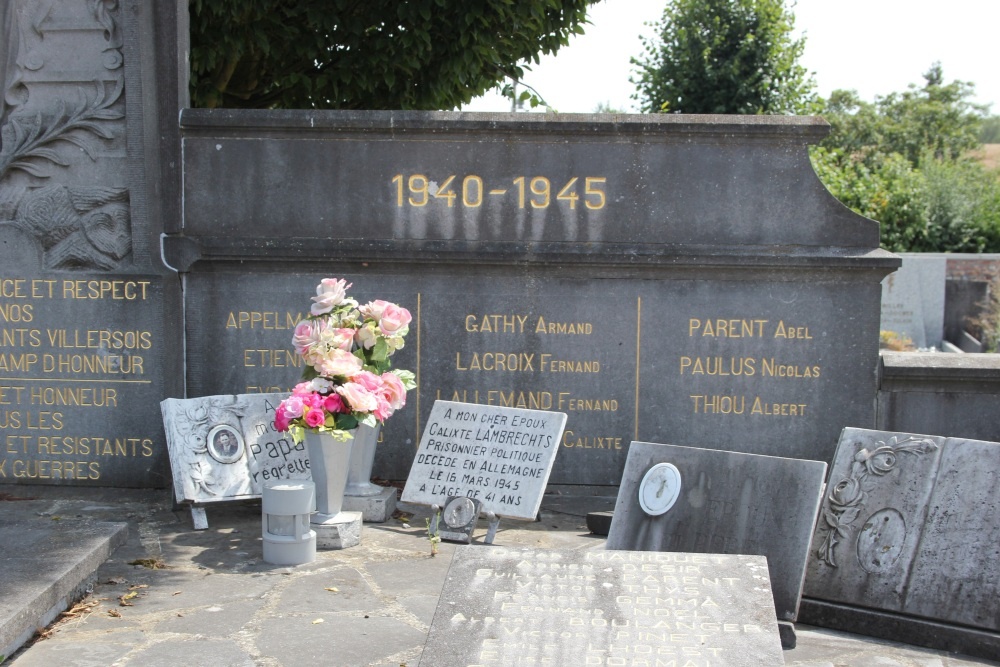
501, 457
523, 606
913, 300
707, 501
226, 447
909, 534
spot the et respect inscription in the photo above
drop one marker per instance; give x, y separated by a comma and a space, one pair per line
499, 456
80, 380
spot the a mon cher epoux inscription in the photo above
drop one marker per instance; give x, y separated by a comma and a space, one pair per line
785, 337
418, 190
507, 344
661, 616
51, 366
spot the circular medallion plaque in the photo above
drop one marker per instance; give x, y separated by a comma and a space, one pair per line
659, 488
458, 512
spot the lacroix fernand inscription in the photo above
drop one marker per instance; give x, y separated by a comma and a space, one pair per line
501, 457
518, 606
65, 355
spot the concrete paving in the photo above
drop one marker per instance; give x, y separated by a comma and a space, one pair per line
170, 595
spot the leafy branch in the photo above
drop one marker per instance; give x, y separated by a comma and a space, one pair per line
25, 137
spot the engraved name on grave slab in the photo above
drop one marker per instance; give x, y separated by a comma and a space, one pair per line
502, 457
706, 501
226, 447
910, 526
521, 606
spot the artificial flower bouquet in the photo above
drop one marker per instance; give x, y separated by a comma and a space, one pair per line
346, 379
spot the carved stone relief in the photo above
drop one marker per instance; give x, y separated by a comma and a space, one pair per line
62, 131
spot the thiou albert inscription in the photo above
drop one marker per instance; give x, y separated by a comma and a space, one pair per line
685, 279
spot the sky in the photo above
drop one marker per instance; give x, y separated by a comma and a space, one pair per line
875, 47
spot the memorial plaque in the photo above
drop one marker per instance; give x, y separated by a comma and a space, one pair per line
522, 606
653, 278
706, 501
909, 525
913, 300
226, 447
501, 457
89, 341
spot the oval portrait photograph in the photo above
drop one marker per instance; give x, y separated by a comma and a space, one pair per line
225, 444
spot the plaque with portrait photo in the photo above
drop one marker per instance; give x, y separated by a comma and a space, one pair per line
225, 444
458, 519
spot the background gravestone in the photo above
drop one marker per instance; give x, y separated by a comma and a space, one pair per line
704, 501
653, 277
913, 301
521, 606
907, 544
89, 343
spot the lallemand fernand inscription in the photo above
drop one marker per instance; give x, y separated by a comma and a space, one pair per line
519, 606
62, 356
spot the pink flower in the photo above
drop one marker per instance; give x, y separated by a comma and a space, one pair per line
393, 390
280, 419
369, 381
313, 400
338, 363
391, 319
307, 333
333, 404
330, 293
383, 410
358, 398
302, 389
315, 417
292, 406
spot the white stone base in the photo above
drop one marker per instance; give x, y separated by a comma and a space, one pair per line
374, 509
340, 531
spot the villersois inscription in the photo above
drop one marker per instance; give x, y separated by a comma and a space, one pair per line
69, 349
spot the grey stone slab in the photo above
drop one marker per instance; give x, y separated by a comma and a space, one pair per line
200, 652
722, 502
909, 526
226, 447
343, 531
374, 509
508, 606
68, 551
913, 301
501, 457
92, 311
339, 641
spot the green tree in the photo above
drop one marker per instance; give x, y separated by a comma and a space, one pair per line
904, 160
723, 56
381, 54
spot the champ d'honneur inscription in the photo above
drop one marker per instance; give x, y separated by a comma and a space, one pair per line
504, 606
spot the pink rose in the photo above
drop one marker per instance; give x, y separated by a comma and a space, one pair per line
313, 400
330, 293
334, 404
292, 406
307, 333
280, 419
357, 397
393, 390
315, 417
338, 363
369, 381
383, 410
391, 319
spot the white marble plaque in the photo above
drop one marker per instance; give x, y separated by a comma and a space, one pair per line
226, 447
913, 300
502, 457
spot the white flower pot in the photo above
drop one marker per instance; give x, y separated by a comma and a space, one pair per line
359, 474
329, 460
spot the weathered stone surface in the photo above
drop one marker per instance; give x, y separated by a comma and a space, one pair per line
374, 509
88, 312
909, 525
724, 503
502, 457
226, 447
913, 299
647, 276
341, 532
515, 605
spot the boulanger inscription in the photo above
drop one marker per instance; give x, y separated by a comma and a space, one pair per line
548, 607
71, 374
